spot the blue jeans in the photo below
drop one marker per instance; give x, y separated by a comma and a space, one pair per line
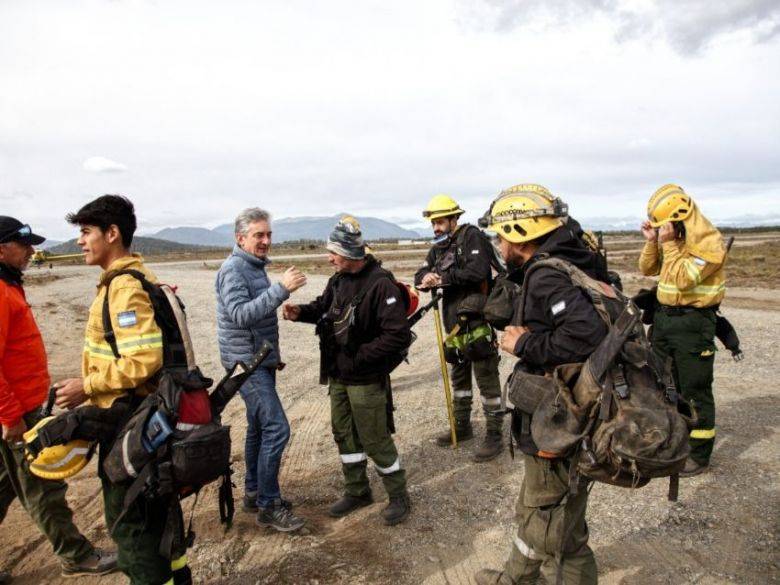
267, 434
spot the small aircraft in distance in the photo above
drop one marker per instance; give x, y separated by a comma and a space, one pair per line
41, 257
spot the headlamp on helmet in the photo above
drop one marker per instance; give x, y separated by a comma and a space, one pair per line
524, 212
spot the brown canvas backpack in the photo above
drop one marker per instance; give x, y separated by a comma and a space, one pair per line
617, 416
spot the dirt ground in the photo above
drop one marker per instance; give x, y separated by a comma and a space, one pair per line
724, 529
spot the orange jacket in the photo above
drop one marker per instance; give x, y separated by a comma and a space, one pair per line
24, 375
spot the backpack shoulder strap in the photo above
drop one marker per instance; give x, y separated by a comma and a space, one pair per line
108, 328
596, 290
371, 282
169, 316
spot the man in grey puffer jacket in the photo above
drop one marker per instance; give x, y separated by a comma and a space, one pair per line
246, 315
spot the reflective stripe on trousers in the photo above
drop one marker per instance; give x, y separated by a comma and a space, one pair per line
525, 550
703, 434
488, 402
348, 458
396, 466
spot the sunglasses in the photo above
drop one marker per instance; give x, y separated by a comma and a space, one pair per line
22, 232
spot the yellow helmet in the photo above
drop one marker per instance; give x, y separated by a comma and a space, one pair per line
57, 461
442, 206
524, 212
669, 203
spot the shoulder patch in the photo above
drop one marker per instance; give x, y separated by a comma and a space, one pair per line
699, 261
391, 300
475, 251
558, 307
127, 319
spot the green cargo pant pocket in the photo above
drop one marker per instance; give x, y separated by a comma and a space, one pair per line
542, 529
369, 414
546, 481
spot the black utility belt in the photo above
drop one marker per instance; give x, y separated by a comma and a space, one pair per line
679, 311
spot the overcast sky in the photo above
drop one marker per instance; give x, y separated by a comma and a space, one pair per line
197, 109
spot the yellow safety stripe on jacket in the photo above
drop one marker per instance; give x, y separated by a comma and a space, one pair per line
98, 350
180, 563
130, 345
693, 271
696, 290
461, 341
139, 343
703, 434
684, 279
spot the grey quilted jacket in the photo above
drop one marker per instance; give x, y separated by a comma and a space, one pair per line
246, 308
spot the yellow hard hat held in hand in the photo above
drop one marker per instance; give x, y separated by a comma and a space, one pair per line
523, 213
57, 461
442, 206
669, 203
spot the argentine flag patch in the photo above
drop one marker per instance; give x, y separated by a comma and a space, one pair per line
127, 319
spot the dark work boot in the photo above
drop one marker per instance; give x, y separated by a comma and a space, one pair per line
348, 504
100, 562
397, 509
5, 578
693, 468
462, 433
490, 448
278, 517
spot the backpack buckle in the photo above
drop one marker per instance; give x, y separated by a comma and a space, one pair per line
619, 380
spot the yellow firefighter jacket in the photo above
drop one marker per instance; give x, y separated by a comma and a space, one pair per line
691, 270
138, 338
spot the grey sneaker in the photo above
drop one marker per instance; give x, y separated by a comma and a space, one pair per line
279, 518
100, 562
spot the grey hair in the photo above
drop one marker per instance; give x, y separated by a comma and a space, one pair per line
248, 216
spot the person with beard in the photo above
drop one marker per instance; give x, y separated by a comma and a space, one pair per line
459, 263
559, 325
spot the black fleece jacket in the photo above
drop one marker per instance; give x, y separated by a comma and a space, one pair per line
564, 325
463, 262
381, 331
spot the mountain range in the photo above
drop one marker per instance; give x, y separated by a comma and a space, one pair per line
142, 245
286, 230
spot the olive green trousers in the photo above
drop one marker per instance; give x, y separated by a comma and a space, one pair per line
359, 420
551, 527
43, 499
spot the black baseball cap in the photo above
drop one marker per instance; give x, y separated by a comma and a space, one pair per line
13, 230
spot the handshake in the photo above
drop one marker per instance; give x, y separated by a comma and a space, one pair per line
292, 280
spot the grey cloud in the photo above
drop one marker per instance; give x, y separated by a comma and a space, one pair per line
688, 26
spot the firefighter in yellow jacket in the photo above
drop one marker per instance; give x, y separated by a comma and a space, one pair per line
687, 253
107, 225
